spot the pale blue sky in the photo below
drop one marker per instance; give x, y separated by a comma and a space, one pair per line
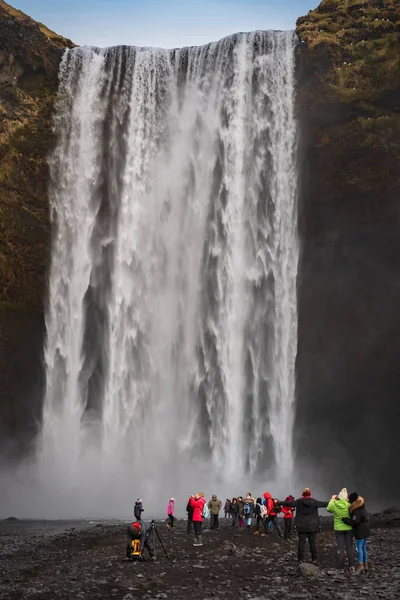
163, 23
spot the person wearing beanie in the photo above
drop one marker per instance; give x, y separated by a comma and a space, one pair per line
307, 521
138, 509
288, 512
214, 506
139, 540
359, 521
339, 506
171, 512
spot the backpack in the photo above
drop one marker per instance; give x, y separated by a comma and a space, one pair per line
206, 513
263, 510
246, 509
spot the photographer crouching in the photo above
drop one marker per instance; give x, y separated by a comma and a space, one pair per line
138, 540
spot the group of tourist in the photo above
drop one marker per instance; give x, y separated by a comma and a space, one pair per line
350, 520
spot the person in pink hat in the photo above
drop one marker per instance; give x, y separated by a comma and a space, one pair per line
171, 512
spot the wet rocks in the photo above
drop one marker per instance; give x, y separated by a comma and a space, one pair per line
308, 570
91, 565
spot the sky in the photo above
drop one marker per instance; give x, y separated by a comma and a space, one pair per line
161, 23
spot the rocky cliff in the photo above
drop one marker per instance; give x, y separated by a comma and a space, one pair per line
29, 59
349, 286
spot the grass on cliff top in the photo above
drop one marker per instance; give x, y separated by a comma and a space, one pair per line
362, 40
6, 10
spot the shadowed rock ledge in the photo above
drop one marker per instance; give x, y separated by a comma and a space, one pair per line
29, 58
349, 286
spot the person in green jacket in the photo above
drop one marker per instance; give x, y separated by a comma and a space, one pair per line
339, 505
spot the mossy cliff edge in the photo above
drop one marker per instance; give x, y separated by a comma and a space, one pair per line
29, 59
348, 377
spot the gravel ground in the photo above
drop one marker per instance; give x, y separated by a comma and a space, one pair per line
43, 561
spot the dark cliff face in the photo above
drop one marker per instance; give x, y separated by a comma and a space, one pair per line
349, 286
29, 60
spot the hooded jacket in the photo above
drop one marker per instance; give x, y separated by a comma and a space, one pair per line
340, 509
171, 508
358, 519
197, 506
288, 511
307, 518
269, 504
235, 508
215, 506
138, 509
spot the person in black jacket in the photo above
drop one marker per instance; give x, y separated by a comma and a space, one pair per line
235, 509
307, 522
189, 510
359, 520
138, 509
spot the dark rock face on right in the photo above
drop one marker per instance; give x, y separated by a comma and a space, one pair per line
348, 410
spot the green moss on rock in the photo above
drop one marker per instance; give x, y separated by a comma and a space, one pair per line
29, 59
349, 100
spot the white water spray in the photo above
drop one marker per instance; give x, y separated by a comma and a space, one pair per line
172, 319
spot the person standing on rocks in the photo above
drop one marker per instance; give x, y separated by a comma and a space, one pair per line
240, 506
339, 505
138, 509
235, 512
197, 503
189, 510
288, 512
307, 522
215, 506
260, 513
273, 508
227, 509
248, 510
359, 520
171, 512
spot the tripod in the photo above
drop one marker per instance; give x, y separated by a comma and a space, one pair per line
154, 533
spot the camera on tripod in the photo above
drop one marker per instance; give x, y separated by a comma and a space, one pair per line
141, 536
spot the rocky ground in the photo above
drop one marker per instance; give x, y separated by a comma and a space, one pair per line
88, 561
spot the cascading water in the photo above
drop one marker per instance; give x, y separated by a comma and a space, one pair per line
172, 318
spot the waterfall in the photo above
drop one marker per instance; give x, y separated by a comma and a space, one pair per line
172, 313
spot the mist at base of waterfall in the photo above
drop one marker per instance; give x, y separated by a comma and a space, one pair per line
94, 496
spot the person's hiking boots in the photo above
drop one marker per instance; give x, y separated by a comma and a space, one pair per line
359, 569
198, 541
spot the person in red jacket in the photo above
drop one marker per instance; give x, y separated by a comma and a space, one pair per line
197, 503
273, 508
288, 512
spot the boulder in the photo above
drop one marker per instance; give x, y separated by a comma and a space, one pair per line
308, 570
